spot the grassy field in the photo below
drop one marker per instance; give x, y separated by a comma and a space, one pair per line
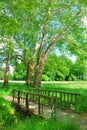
10, 119
74, 86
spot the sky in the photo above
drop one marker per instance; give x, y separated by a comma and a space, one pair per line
84, 21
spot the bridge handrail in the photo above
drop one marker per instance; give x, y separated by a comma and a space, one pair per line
63, 98
50, 90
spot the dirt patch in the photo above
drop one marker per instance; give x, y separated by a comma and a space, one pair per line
9, 98
80, 119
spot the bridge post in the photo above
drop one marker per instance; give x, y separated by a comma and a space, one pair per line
76, 102
27, 101
18, 98
13, 93
39, 104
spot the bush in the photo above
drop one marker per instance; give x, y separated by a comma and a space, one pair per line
72, 78
45, 77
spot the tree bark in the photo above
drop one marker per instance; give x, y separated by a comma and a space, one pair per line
30, 68
39, 68
7, 72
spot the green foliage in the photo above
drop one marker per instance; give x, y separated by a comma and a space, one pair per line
45, 77
59, 76
62, 68
79, 67
57, 67
19, 72
72, 78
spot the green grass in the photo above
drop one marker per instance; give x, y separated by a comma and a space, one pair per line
35, 123
7, 113
8, 90
75, 86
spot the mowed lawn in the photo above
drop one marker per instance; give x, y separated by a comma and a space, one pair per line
69, 86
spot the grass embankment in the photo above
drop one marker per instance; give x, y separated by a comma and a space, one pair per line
11, 120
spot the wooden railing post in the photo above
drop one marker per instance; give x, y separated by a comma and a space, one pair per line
18, 98
27, 101
61, 99
13, 95
76, 101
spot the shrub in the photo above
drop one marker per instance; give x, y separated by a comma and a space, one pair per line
45, 77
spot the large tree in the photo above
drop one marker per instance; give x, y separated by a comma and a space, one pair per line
41, 25
8, 28
58, 21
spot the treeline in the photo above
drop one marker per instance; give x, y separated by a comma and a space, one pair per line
62, 68
57, 68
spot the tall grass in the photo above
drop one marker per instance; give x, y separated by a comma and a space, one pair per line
37, 124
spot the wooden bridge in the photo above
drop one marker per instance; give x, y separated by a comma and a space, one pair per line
44, 102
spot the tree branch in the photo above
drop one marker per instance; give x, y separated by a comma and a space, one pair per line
58, 36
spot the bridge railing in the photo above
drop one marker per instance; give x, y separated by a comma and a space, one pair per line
66, 99
21, 98
45, 99
44, 103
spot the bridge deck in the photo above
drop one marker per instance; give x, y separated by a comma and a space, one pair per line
45, 111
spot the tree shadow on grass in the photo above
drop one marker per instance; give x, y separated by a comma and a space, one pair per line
7, 113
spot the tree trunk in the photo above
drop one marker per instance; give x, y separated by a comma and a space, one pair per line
39, 68
7, 72
30, 67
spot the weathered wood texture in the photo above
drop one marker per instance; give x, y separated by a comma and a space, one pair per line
42, 102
